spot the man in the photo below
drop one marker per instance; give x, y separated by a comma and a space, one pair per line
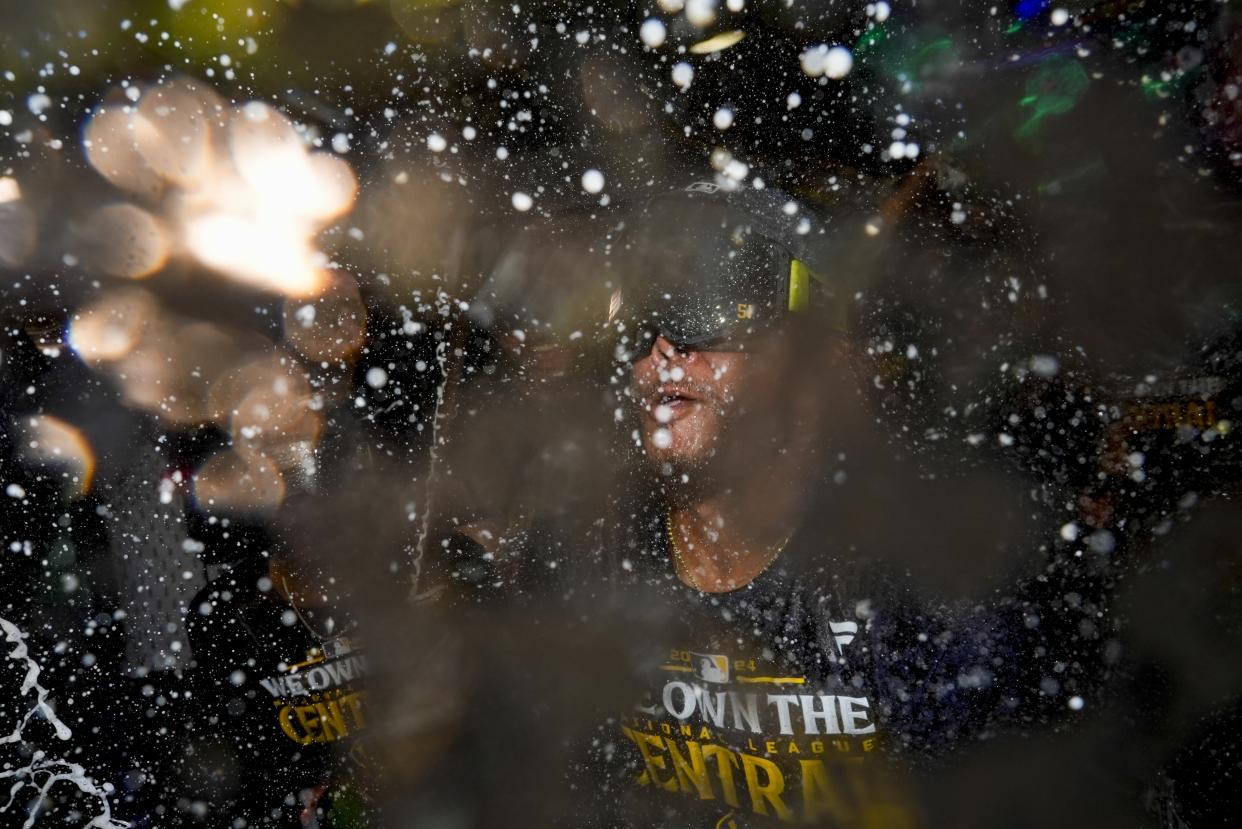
787, 661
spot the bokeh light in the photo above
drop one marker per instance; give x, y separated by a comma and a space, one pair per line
239, 481
52, 442
270, 409
125, 240
110, 327
330, 326
239, 189
18, 227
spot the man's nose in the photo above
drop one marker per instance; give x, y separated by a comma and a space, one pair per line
665, 351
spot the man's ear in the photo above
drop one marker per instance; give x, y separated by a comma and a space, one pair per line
825, 392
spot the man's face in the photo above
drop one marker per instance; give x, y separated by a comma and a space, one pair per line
685, 398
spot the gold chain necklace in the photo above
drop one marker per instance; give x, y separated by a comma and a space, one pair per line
681, 561
319, 635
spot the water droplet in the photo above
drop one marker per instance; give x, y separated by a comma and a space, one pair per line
593, 181
653, 32
683, 75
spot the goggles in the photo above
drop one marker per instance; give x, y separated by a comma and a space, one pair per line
705, 274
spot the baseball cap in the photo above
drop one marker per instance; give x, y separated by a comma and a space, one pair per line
709, 267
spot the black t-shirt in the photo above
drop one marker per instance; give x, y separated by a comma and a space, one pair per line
759, 704
278, 710
808, 694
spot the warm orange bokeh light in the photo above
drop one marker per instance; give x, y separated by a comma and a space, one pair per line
239, 189
50, 440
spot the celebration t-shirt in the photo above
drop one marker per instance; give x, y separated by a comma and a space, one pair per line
805, 696
278, 710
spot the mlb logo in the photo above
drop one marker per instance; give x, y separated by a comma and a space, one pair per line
702, 187
336, 648
710, 667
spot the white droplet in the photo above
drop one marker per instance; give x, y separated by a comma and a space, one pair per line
701, 13
1102, 541
6, 118
593, 181
723, 119
663, 414
812, 60
340, 143
436, 142
838, 62
897, 150
652, 32
377, 378
683, 74
662, 439
1075, 703
735, 5
502, 153
1069, 532
1045, 365
736, 170
672, 6
677, 374
882, 11
1059, 17
522, 201
793, 101
469, 133
835, 62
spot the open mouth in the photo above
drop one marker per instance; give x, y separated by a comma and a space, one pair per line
670, 401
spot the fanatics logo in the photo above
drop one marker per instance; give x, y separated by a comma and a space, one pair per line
842, 634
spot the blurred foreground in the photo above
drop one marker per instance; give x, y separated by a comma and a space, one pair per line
322, 463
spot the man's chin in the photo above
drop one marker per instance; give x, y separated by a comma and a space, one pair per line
675, 462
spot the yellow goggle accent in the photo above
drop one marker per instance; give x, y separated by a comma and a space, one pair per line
799, 286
